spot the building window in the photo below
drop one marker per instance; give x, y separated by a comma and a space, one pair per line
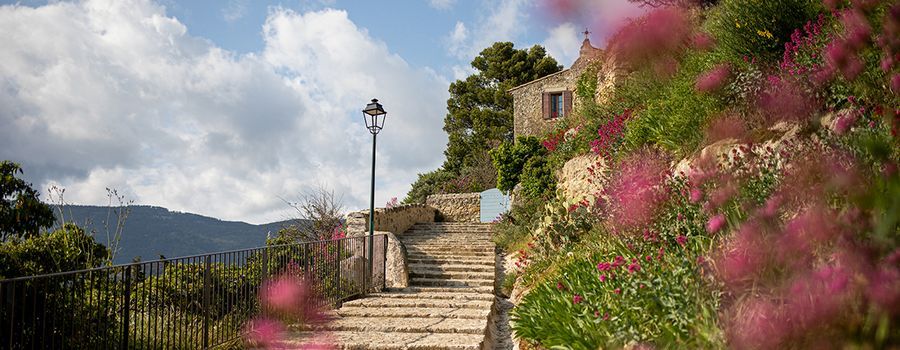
557, 104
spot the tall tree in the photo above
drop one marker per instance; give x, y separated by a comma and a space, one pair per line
22, 214
480, 114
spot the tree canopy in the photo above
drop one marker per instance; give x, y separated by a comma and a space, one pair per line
480, 114
480, 117
22, 214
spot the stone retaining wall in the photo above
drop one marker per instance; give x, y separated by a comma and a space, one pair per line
396, 219
457, 207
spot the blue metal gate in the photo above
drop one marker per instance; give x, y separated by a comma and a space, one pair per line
493, 203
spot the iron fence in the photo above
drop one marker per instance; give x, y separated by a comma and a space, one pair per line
190, 302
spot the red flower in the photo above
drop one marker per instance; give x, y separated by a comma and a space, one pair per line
576, 299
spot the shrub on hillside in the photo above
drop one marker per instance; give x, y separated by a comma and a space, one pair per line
759, 28
510, 158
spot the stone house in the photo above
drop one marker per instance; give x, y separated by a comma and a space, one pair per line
540, 103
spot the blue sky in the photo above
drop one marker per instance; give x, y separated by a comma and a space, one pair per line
225, 108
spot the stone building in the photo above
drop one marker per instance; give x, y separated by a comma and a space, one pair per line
539, 104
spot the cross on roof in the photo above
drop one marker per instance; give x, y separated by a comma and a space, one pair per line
586, 33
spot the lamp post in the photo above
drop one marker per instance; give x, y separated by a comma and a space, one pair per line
374, 115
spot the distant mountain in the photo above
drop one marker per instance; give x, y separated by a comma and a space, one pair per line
151, 231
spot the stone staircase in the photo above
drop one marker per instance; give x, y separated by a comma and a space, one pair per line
447, 305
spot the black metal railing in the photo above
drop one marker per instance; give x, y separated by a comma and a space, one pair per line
190, 302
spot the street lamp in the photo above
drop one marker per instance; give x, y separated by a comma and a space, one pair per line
374, 115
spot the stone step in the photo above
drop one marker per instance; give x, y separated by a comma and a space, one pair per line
434, 296
436, 242
424, 300
451, 275
405, 324
452, 238
452, 267
440, 282
444, 289
421, 253
349, 340
456, 249
431, 260
417, 312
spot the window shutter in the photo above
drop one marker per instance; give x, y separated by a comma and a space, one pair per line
567, 102
545, 105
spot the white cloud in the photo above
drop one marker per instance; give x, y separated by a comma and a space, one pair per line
563, 43
442, 4
505, 21
112, 93
456, 41
235, 10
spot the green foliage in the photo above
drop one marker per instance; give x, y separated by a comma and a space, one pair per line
510, 160
65, 249
537, 178
667, 303
22, 214
480, 108
676, 117
586, 85
426, 184
514, 228
758, 28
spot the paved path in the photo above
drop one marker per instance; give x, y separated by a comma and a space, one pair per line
452, 273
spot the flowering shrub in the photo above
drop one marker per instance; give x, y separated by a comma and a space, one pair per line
610, 135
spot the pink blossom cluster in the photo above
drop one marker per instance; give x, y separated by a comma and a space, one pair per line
610, 134
795, 265
804, 43
285, 297
713, 79
785, 100
635, 193
655, 39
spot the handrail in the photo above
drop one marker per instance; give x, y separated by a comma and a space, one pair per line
195, 301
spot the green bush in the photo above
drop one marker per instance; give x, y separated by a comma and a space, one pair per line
676, 117
759, 29
66, 249
667, 302
537, 178
510, 159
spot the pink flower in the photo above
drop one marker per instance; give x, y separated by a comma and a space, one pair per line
681, 239
696, 195
713, 79
284, 294
576, 299
602, 278
785, 101
560, 286
636, 194
604, 266
635, 267
617, 291
655, 37
895, 83
703, 41
264, 332
715, 223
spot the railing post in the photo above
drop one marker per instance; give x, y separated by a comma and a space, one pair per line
126, 312
384, 265
340, 292
206, 286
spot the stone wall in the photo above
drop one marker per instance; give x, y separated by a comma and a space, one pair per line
396, 219
576, 182
457, 207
